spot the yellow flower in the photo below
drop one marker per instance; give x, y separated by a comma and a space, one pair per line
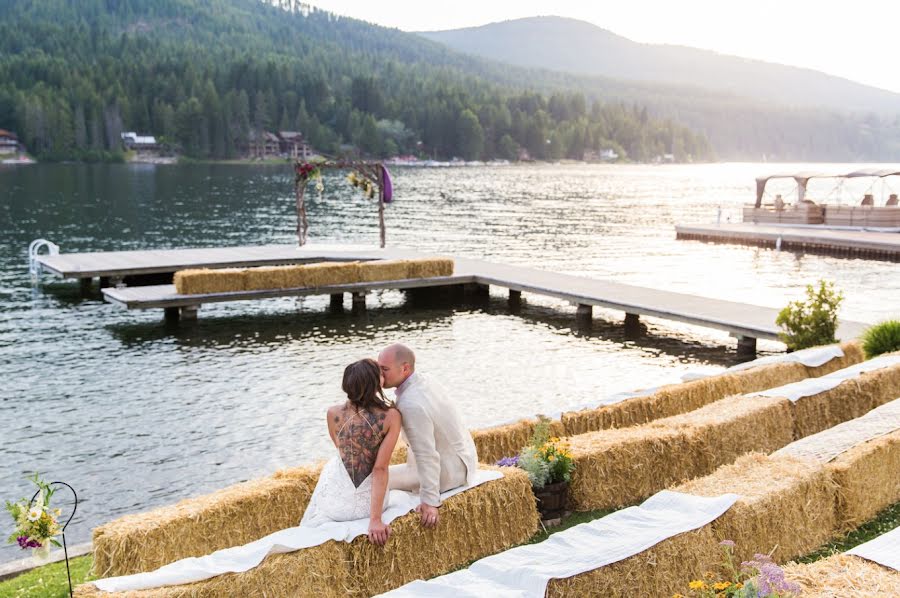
677, 596
554, 439
722, 585
697, 585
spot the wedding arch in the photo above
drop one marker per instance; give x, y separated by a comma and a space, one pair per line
372, 178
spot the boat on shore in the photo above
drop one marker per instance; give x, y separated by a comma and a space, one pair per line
805, 211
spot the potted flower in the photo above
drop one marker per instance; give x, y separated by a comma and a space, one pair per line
549, 465
37, 525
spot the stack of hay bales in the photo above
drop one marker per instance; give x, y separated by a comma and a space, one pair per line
482, 521
846, 576
232, 280
615, 468
674, 399
859, 498
198, 526
618, 467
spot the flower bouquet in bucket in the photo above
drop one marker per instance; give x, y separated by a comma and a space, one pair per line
37, 525
549, 465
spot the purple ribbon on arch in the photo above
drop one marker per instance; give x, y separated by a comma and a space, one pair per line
386, 185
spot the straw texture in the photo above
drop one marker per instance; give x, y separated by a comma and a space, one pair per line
204, 281
868, 477
844, 576
619, 467
198, 526
786, 506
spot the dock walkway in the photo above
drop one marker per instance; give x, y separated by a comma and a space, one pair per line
811, 238
744, 321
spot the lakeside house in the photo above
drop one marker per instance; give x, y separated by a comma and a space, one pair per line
294, 146
139, 143
284, 144
9, 142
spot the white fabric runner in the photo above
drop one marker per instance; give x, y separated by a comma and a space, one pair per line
813, 386
524, 571
829, 444
884, 550
813, 357
243, 558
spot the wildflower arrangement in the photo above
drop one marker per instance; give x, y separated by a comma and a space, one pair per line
363, 184
546, 460
37, 525
757, 578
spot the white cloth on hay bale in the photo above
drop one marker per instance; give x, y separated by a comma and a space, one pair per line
525, 571
243, 558
884, 550
813, 386
813, 357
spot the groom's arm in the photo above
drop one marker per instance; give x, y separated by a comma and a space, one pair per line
420, 433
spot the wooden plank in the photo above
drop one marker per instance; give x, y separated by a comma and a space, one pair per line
836, 239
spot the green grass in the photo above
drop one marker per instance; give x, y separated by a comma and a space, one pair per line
48, 581
570, 521
883, 523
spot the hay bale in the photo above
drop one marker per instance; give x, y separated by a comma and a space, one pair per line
474, 524
868, 479
849, 400
268, 277
661, 570
429, 268
619, 467
198, 526
493, 444
786, 506
674, 399
846, 576
331, 274
205, 280
379, 270
317, 571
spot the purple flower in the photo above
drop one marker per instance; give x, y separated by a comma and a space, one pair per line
727, 543
24, 543
509, 461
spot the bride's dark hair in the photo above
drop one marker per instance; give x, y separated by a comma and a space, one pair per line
362, 383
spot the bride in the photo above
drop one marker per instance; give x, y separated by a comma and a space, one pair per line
364, 429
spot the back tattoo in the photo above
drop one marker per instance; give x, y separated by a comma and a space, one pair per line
359, 437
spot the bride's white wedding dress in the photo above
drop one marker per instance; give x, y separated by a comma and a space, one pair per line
337, 499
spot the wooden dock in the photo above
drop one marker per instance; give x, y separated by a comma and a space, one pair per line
810, 239
746, 322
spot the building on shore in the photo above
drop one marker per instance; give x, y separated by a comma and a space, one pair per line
9, 143
139, 143
294, 146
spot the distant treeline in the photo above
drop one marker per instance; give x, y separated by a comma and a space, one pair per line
205, 76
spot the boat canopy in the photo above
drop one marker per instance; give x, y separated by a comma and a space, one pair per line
803, 177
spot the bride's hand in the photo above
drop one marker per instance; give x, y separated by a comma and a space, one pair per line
378, 532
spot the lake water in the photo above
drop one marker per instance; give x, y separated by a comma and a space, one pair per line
134, 413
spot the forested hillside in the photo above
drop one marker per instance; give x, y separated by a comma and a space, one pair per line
204, 76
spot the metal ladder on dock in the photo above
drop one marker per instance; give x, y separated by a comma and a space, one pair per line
34, 249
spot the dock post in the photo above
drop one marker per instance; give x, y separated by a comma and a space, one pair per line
632, 324
746, 346
584, 314
86, 284
104, 282
359, 302
188, 313
171, 314
336, 305
515, 299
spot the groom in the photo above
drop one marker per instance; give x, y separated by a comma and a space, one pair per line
441, 453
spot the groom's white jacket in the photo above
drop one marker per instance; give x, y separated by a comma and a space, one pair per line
436, 437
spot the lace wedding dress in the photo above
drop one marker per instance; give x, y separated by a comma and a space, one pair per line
337, 499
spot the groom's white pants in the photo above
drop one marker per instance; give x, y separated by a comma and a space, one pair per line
406, 477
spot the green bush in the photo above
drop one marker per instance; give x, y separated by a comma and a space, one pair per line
812, 322
882, 338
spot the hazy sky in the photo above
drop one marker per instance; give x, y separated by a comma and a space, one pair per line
858, 40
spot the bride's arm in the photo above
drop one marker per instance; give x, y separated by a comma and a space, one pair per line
378, 531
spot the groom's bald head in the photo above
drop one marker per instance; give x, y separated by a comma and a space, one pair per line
397, 363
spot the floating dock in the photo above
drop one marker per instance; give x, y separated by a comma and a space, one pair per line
861, 244
745, 322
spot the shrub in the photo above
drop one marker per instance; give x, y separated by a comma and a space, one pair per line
812, 322
882, 338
